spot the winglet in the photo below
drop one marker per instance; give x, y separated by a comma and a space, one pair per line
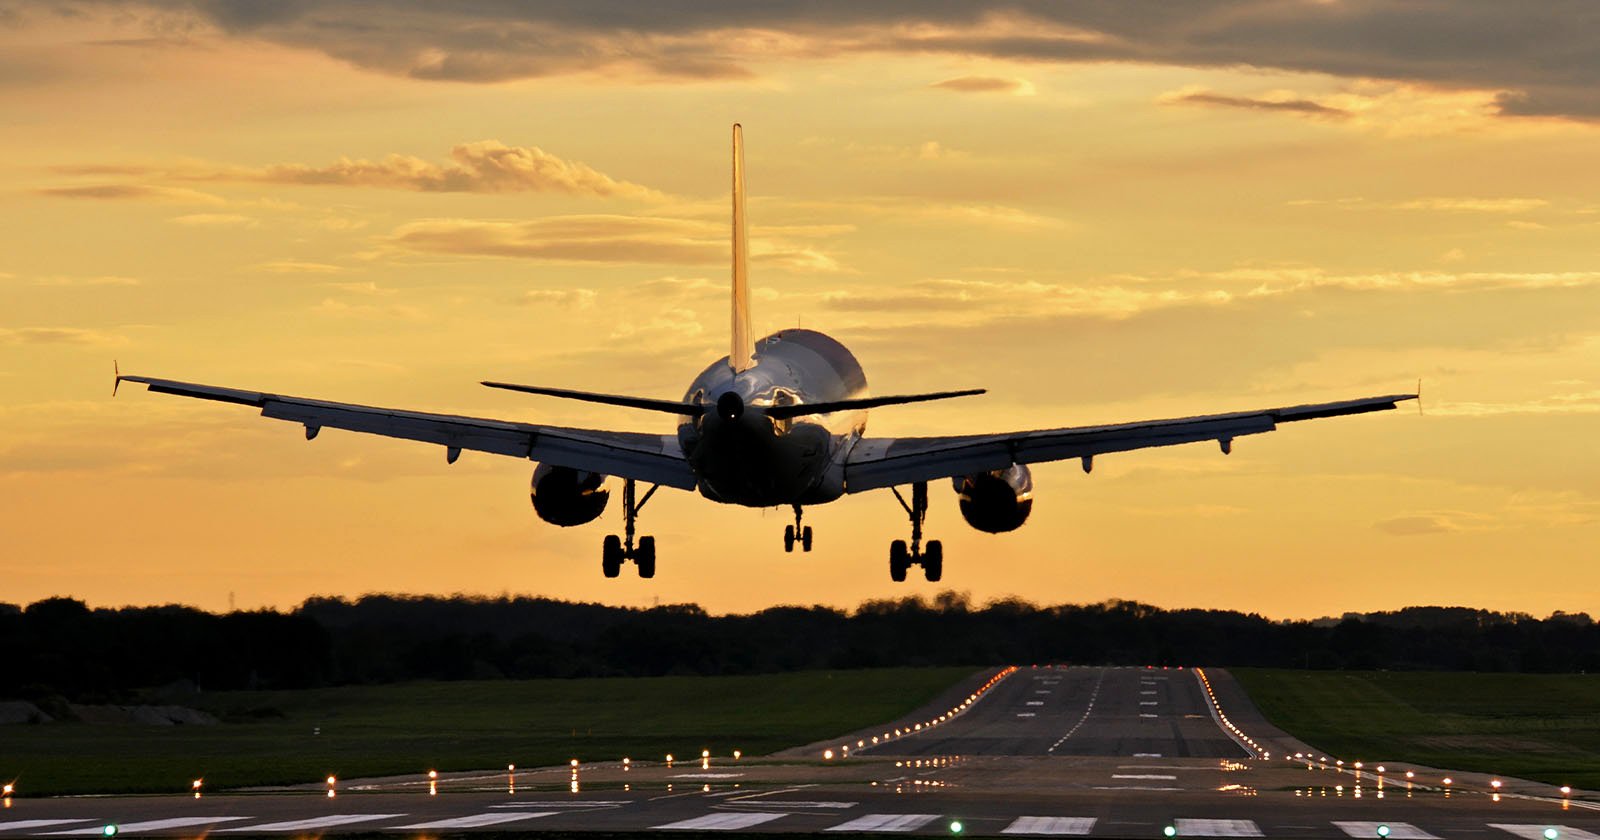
116, 377
741, 355
1419, 397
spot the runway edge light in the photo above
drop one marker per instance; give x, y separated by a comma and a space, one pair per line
110, 830
955, 826
1383, 831
1551, 833
1170, 831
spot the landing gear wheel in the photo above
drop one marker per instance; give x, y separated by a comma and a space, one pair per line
611, 556
805, 539
933, 561
899, 561
645, 557
788, 538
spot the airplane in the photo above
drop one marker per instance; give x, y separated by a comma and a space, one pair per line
779, 421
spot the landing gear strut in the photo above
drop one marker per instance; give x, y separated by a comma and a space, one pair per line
796, 533
616, 551
903, 557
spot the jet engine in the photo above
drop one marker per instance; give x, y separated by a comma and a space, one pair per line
566, 497
997, 501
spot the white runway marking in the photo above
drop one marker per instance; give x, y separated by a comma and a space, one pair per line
1531, 831
1397, 830
315, 822
1035, 703
721, 822
1147, 702
1142, 776
18, 825
1134, 787
708, 775
1216, 828
147, 825
1147, 755
1050, 825
1042, 691
478, 820
1148, 693
1148, 715
886, 822
1027, 714
565, 803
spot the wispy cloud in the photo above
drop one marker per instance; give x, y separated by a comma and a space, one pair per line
59, 335
986, 84
62, 280
214, 220
133, 192
1286, 103
299, 267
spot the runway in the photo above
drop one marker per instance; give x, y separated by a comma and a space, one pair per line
1040, 752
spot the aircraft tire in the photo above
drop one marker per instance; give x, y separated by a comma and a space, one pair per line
611, 556
805, 539
788, 538
899, 561
933, 561
645, 557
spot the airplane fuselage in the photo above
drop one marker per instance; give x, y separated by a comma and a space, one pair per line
742, 456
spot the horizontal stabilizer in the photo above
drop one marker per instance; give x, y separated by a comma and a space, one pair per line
781, 412
665, 406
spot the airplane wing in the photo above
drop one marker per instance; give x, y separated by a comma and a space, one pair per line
656, 459
886, 462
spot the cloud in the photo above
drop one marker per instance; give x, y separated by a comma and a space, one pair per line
1534, 59
1410, 526
1441, 204
59, 335
133, 192
612, 239
1299, 106
299, 267
487, 166
986, 84
214, 220
69, 281
568, 298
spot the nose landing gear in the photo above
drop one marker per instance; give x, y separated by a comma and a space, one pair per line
901, 556
617, 550
796, 533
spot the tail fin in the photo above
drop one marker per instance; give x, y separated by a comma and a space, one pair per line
742, 354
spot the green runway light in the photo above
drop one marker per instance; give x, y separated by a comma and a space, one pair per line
1383, 831
110, 830
1551, 833
955, 826
1170, 831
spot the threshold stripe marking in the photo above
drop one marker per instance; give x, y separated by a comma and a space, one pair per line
1050, 825
1216, 828
316, 822
477, 820
146, 825
1532, 831
18, 825
721, 822
1397, 830
886, 822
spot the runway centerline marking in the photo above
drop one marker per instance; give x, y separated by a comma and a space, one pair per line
1148, 715
145, 825
1145, 776
1216, 828
720, 822
1397, 830
885, 822
478, 820
1050, 825
1035, 703
1531, 831
315, 822
1147, 702
1027, 714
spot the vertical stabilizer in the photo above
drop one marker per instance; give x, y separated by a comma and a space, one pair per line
742, 354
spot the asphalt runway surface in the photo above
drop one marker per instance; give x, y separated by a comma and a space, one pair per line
1040, 752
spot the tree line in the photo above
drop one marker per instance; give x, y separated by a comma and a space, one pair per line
60, 648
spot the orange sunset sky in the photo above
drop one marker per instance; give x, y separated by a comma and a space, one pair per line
1098, 211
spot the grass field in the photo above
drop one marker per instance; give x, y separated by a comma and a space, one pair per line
396, 729
1536, 726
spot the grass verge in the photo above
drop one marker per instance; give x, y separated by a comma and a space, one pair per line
1544, 727
395, 729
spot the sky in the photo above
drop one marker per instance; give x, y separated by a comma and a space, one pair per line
1100, 212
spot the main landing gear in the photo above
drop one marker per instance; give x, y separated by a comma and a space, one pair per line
618, 550
902, 557
796, 533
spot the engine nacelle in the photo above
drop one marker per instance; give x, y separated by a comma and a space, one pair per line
566, 497
998, 501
